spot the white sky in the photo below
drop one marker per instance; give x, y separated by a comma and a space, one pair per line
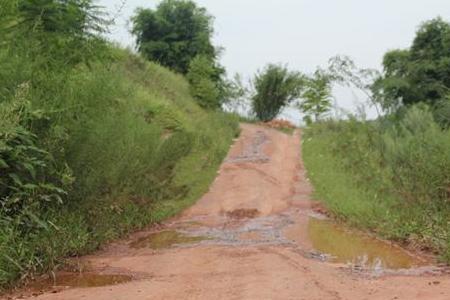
302, 33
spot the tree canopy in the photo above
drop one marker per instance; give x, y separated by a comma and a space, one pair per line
174, 33
420, 73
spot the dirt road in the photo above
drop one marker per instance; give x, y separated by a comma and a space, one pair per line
247, 238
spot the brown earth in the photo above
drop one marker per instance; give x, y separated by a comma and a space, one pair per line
247, 238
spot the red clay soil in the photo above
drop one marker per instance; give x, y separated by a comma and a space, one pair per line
251, 242
279, 124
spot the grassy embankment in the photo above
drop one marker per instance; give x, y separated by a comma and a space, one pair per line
388, 177
124, 139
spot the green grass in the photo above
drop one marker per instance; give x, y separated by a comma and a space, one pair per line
336, 187
354, 172
135, 147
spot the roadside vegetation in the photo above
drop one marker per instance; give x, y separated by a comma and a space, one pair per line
392, 175
94, 141
97, 141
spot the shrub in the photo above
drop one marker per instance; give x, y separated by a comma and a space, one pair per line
274, 87
30, 180
442, 113
417, 152
203, 88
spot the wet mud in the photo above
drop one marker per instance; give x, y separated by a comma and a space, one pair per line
165, 239
79, 280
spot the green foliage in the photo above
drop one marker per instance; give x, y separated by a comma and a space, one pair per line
236, 98
419, 74
94, 141
126, 143
68, 31
174, 33
316, 97
77, 18
275, 87
29, 181
390, 176
417, 150
203, 88
442, 112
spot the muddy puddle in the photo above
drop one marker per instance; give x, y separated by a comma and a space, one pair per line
78, 280
165, 239
357, 249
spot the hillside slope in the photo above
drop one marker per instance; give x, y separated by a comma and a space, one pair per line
128, 143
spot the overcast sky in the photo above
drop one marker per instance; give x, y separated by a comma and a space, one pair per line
302, 33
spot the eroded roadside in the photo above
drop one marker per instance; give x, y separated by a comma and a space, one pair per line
254, 235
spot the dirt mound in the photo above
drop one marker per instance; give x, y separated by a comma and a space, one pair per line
279, 124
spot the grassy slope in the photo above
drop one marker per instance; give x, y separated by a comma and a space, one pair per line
140, 150
369, 204
336, 187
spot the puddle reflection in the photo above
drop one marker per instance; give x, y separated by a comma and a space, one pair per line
346, 246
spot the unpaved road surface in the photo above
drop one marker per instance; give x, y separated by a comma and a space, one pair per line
247, 238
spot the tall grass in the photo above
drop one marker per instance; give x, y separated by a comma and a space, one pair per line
128, 146
94, 141
388, 176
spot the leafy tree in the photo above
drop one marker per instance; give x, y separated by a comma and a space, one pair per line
418, 74
201, 76
275, 87
236, 98
343, 71
174, 33
316, 98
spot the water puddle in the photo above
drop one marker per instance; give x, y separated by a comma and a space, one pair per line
165, 239
355, 248
79, 280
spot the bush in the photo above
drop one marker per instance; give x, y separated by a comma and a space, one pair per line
274, 87
417, 151
203, 88
442, 113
